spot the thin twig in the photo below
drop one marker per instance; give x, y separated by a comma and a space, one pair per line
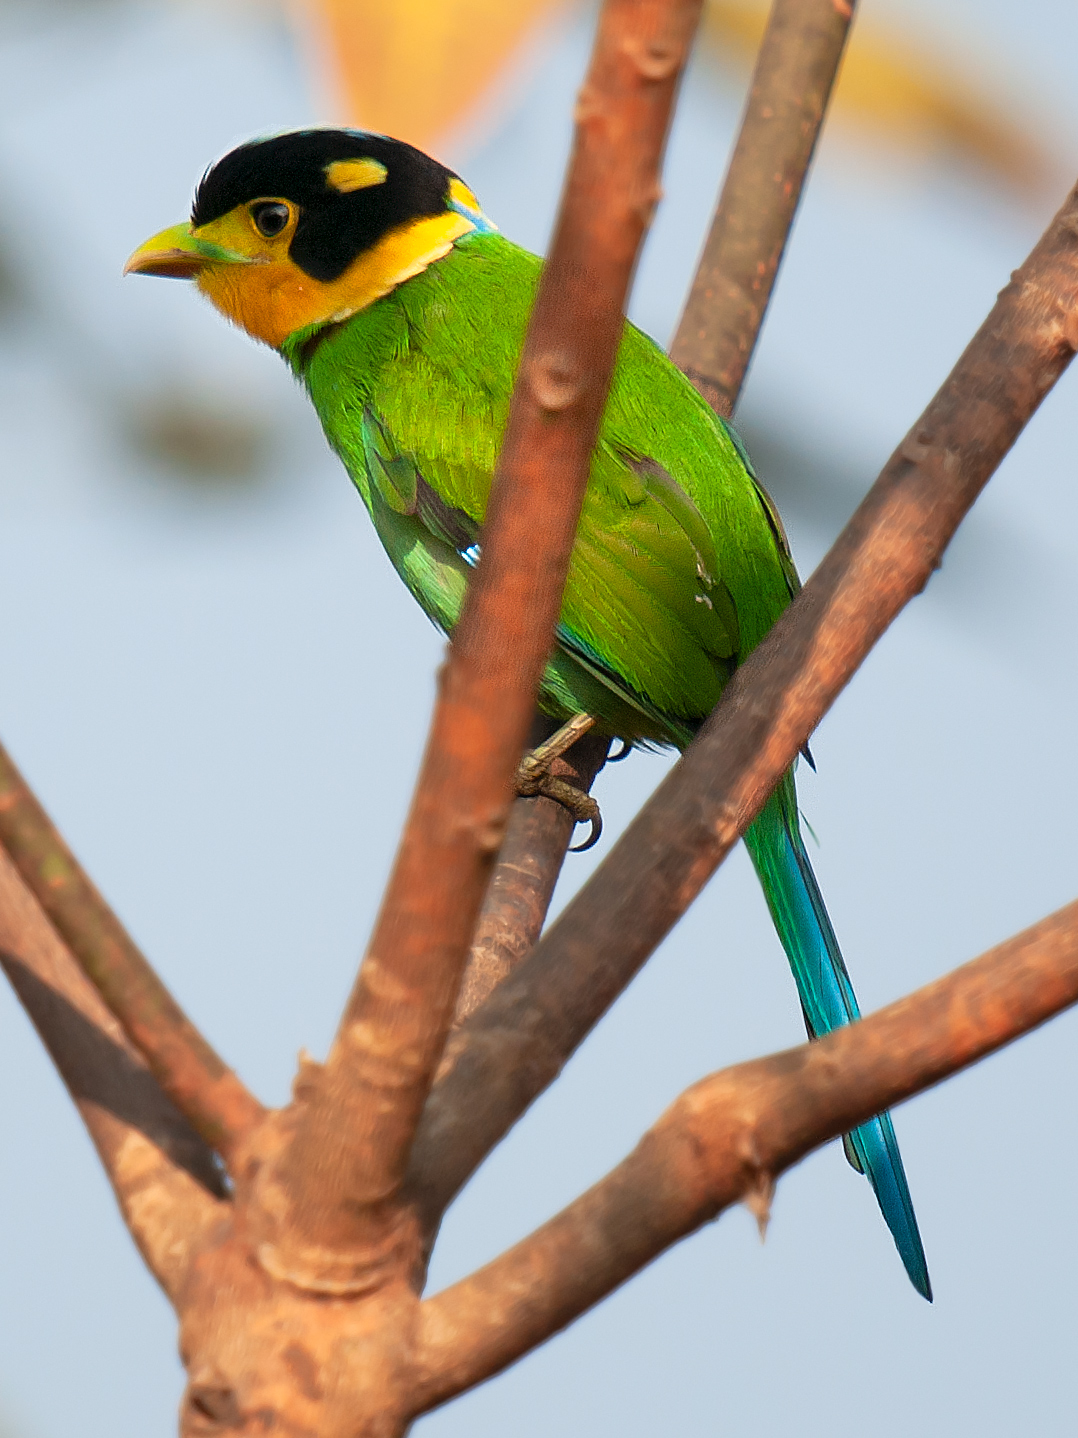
346, 1141
199, 1083
795, 71
728, 1138
514, 1046
164, 1176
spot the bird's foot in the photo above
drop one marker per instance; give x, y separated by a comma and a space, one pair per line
534, 777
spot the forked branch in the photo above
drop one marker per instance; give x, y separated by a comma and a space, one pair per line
346, 1141
732, 1135
512, 1048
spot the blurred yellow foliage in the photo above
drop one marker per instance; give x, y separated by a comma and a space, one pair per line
902, 94
416, 68
413, 68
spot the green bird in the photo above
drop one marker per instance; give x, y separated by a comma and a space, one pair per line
372, 269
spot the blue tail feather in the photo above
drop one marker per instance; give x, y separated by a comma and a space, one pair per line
827, 1001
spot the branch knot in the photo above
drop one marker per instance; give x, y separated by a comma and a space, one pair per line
555, 380
653, 59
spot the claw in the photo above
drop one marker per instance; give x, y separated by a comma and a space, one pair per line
593, 838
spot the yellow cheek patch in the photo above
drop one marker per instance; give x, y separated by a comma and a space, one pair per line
349, 175
274, 299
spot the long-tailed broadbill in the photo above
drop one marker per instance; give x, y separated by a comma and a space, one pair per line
401, 309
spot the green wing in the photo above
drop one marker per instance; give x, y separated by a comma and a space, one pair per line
645, 595
650, 574
677, 570
425, 538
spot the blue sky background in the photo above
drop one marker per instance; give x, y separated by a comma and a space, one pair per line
220, 691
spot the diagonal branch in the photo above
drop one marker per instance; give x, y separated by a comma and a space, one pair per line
199, 1083
795, 71
344, 1145
728, 1138
164, 1176
516, 1044
791, 85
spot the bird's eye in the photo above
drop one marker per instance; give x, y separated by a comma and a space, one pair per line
270, 217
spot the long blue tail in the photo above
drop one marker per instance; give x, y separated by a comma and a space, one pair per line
827, 1000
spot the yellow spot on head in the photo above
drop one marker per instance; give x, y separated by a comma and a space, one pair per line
461, 195
349, 175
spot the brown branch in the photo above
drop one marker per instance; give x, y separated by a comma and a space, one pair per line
516, 1044
795, 70
199, 1083
345, 1145
728, 1138
522, 885
163, 1174
791, 85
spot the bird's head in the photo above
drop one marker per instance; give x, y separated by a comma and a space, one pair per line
305, 229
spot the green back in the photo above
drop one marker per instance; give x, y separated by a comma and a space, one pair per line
679, 567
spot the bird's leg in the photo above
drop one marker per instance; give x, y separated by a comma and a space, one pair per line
534, 777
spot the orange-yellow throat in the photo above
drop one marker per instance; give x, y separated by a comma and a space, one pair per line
271, 298
253, 280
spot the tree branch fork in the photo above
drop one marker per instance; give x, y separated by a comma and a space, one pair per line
371, 1359
294, 1243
